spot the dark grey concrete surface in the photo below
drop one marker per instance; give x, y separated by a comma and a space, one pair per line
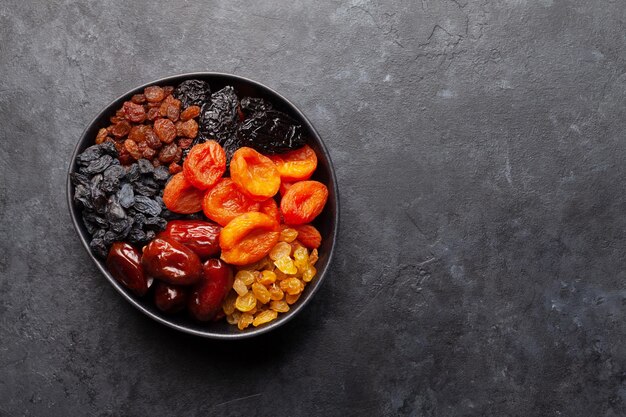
480, 150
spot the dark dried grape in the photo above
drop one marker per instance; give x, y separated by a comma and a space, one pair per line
109, 148
134, 112
145, 166
90, 154
270, 132
133, 173
98, 196
218, 119
97, 165
146, 187
251, 105
147, 206
137, 237
155, 223
91, 227
150, 235
79, 179
99, 248
161, 173
112, 177
114, 211
93, 218
126, 195
82, 196
192, 93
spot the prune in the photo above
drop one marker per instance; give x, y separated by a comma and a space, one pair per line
218, 119
154, 93
146, 187
147, 206
199, 236
169, 298
171, 262
207, 296
192, 93
97, 165
270, 132
251, 105
161, 173
126, 195
124, 263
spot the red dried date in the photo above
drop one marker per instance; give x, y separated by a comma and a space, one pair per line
171, 262
124, 263
207, 296
199, 236
169, 298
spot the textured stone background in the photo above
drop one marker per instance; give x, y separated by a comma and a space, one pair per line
480, 153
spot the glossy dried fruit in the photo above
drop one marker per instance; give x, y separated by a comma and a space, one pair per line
276, 293
169, 298
239, 287
189, 113
261, 293
244, 321
270, 132
188, 129
254, 173
280, 250
205, 164
124, 263
296, 165
165, 130
266, 277
225, 201
246, 277
132, 149
154, 93
168, 153
287, 234
180, 196
309, 236
264, 317
199, 236
303, 202
246, 302
171, 262
280, 306
134, 112
309, 273
208, 295
286, 266
248, 238
292, 298
228, 305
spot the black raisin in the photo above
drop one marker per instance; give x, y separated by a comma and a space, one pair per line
98, 196
82, 196
146, 187
99, 248
126, 196
147, 206
137, 236
133, 173
89, 155
97, 165
114, 211
155, 223
112, 177
161, 173
79, 179
192, 93
145, 166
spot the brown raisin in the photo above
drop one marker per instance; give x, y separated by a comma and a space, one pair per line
184, 143
132, 148
179, 155
134, 112
188, 129
138, 99
156, 162
190, 112
120, 129
168, 153
101, 136
149, 153
137, 134
154, 93
152, 139
124, 156
156, 104
165, 130
168, 90
173, 110
153, 113
175, 168
115, 119
142, 146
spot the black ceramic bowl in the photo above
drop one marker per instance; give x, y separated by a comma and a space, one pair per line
327, 222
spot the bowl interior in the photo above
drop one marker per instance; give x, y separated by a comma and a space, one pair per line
326, 222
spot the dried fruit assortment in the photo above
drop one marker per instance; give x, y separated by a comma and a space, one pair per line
203, 200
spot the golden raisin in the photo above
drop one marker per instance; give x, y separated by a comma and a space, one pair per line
292, 298
281, 250
247, 277
276, 293
288, 235
286, 265
292, 286
240, 287
229, 303
245, 302
267, 277
245, 320
309, 273
313, 257
261, 293
279, 306
264, 317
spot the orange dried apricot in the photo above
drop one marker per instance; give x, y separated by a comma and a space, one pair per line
303, 202
308, 235
254, 173
225, 201
296, 165
270, 208
205, 164
248, 238
180, 196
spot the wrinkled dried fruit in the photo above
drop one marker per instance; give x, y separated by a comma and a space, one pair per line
207, 296
286, 266
192, 93
261, 293
292, 298
264, 317
154, 93
246, 302
180, 196
267, 277
270, 132
168, 153
205, 164
287, 234
254, 173
134, 112
219, 118
296, 165
276, 293
245, 320
165, 130
120, 129
239, 287
309, 236
279, 306
281, 250
248, 238
188, 129
124, 263
303, 202
247, 277
171, 262
199, 236
189, 113
225, 201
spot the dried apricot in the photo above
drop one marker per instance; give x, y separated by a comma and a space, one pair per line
225, 201
248, 238
270, 208
180, 196
284, 186
303, 202
205, 164
309, 236
254, 173
296, 165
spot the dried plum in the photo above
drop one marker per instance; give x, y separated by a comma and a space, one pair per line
251, 105
218, 118
97, 165
147, 206
270, 132
126, 195
192, 93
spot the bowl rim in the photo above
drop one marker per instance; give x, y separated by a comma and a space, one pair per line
74, 214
